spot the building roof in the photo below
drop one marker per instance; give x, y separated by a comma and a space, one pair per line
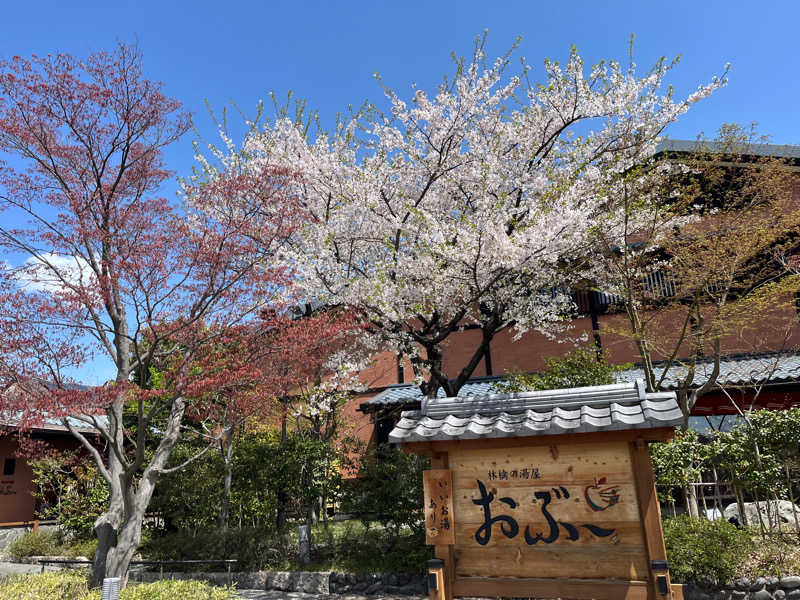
55, 424
691, 146
405, 393
736, 370
43, 422
550, 412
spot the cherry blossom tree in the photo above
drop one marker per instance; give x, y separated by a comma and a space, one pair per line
470, 206
100, 267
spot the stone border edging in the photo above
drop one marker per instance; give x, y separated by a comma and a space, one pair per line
760, 588
310, 582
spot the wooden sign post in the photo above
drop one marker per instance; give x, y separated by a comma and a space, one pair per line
558, 516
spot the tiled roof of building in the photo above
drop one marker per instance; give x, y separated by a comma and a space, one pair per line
55, 424
577, 410
82, 423
689, 146
734, 370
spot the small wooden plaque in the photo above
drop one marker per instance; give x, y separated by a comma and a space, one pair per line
439, 527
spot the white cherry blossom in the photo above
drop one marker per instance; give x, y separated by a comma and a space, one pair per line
469, 205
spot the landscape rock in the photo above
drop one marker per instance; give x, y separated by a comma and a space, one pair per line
309, 582
758, 584
374, 588
772, 513
790, 583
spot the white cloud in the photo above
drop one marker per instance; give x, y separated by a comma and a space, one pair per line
48, 272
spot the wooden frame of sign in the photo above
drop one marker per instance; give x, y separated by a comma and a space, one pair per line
571, 516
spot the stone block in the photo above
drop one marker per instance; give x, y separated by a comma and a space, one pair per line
374, 588
309, 582
256, 580
790, 583
759, 583
742, 584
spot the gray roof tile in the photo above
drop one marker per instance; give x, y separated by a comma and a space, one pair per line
734, 370
602, 408
690, 146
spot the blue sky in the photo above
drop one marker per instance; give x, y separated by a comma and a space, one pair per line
327, 52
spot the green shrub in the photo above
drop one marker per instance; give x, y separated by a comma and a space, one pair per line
40, 543
81, 548
71, 585
388, 490
268, 475
352, 547
254, 548
71, 490
699, 549
578, 368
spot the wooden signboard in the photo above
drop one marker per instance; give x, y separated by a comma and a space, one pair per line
438, 484
568, 518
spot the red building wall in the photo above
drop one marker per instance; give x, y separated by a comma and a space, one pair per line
17, 503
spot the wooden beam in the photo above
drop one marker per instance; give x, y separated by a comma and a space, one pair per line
441, 460
448, 555
576, 589
437, 574
650, 515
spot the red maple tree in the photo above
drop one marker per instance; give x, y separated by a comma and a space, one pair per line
297, 360
105, 268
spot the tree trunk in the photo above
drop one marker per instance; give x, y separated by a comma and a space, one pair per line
717, 496
226, 449
118, 544
119, 530
105, 528
758, 513
281, 496
690, 498
107, 525
791, 498
130, 536
740, 504
703, 500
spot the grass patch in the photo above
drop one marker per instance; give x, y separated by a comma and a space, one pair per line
772, 557
66, 585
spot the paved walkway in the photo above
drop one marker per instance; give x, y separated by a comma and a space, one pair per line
275, 595
10, 568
